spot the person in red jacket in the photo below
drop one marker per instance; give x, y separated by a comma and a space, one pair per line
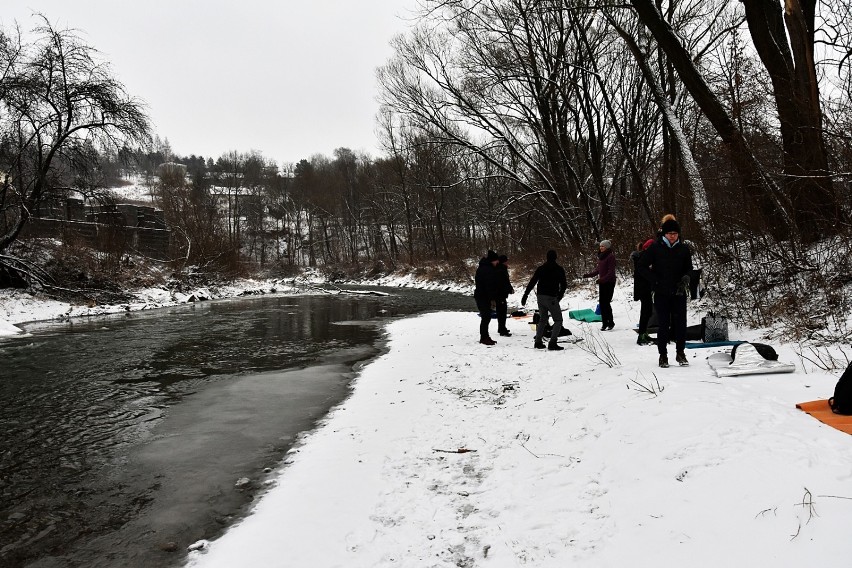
606, 283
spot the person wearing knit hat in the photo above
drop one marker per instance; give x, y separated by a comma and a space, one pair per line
504, 288
670, 226
605, 272
667, 264
643, 293
550, 283
485, 293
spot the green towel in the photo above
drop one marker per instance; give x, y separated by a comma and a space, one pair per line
584, 315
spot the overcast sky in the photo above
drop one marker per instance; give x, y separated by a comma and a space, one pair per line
289, 78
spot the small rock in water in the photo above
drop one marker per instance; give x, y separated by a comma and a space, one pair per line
242, 482
169, 546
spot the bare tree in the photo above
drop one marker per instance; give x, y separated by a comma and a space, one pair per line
807, 205
57, 100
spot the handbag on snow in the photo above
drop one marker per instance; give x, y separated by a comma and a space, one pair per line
714, 328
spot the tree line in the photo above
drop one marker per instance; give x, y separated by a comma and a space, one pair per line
517, 125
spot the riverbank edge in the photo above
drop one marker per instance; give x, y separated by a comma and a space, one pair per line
20, 307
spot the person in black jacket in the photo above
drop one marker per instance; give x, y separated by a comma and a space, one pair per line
552, 284
643, 293
485, 293
667, 264
504, 288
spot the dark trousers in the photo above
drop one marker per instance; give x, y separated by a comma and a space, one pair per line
646, 309
484, 307
671, 321
694, 278
502, 311
605, 292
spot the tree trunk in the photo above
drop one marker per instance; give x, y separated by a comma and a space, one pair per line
677, 136
792, 70
773, 203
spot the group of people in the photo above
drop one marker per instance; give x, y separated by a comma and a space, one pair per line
664, 278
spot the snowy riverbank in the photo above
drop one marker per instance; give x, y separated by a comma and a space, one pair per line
21, 306
449, 453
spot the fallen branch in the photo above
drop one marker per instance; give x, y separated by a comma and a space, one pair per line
458, 451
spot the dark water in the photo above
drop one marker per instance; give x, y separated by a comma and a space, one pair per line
125, 438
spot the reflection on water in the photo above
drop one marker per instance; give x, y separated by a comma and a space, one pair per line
83, 404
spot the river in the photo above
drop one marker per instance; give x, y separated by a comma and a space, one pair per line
126, 438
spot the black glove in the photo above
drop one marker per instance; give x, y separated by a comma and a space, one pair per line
683, 286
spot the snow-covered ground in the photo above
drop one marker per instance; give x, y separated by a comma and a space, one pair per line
449, 453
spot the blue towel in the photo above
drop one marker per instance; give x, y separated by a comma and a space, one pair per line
701, 345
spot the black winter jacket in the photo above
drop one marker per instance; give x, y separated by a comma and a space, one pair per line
642, 288
487, 286
664, 266
551, 280
504, 284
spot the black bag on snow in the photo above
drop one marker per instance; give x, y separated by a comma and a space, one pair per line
714, 328
766, 351
841, 402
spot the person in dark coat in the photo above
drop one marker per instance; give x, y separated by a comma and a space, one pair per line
485, 293
642, 293
667, 264
606, 283
504, 288
695, 275
551, 285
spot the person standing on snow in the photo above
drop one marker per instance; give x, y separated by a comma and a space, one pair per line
485, 293
551, 281
606, 283
695, 275
667, 264
643, 293
504, 288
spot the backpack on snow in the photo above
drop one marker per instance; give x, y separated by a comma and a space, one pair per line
714, 328
841, 402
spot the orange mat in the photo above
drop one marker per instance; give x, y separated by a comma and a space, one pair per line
820, 410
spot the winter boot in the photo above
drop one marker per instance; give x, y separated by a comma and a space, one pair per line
681, 359
505, 333
555, 347
664, 362
539, 345
487, 341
